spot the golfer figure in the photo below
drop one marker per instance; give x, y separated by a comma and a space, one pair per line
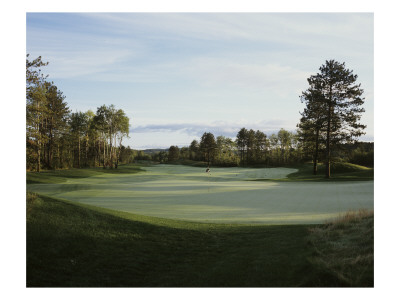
208, 171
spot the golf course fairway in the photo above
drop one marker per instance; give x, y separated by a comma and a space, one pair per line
227, 195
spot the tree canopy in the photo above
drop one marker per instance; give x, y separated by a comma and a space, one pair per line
333, 109
57, 138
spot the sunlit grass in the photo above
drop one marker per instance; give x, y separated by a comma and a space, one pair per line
188, 193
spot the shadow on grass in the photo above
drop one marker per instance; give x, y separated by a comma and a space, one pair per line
72, 245
339, 172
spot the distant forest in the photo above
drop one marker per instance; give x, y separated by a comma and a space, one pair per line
254, 149
57, 138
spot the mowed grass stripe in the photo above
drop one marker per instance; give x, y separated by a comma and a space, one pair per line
225, 196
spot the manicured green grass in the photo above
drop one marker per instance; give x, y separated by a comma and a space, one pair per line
226, 196
70, 245
59, 176
78, 245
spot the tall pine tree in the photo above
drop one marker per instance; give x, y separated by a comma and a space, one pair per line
333, 106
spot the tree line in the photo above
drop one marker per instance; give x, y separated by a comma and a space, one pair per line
58, 138
250, 148
327, 131
254, 149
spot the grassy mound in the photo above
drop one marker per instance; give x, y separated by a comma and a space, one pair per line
339, 171
71, 245
345, 248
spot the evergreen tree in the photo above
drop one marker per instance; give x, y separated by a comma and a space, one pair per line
261, 144
55, 124
78, 125
35, 111
241, 142
208, 146
194, 150
333, 107
173, 153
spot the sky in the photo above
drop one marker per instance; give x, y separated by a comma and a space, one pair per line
178, 75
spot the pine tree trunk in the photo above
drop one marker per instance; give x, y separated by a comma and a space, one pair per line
316, 153
86, 150
79, 152
38, 137
58, 153
104, 154
99, 153
111, 149
50, 150
328, 138
38, 158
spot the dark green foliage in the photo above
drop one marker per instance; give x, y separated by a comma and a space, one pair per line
194, 150
173, 153
56, 139
208, 147
255, 149
340, 172
333, 110
363, 158
359, 153
35, 112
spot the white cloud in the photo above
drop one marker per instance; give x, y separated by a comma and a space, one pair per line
275, 27
79, 54
231, 72
225, 128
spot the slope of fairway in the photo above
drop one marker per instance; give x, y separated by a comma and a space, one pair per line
78, 245
228, 195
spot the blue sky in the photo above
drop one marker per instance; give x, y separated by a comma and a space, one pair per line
178, 75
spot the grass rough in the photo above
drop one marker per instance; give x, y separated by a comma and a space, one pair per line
344, 247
